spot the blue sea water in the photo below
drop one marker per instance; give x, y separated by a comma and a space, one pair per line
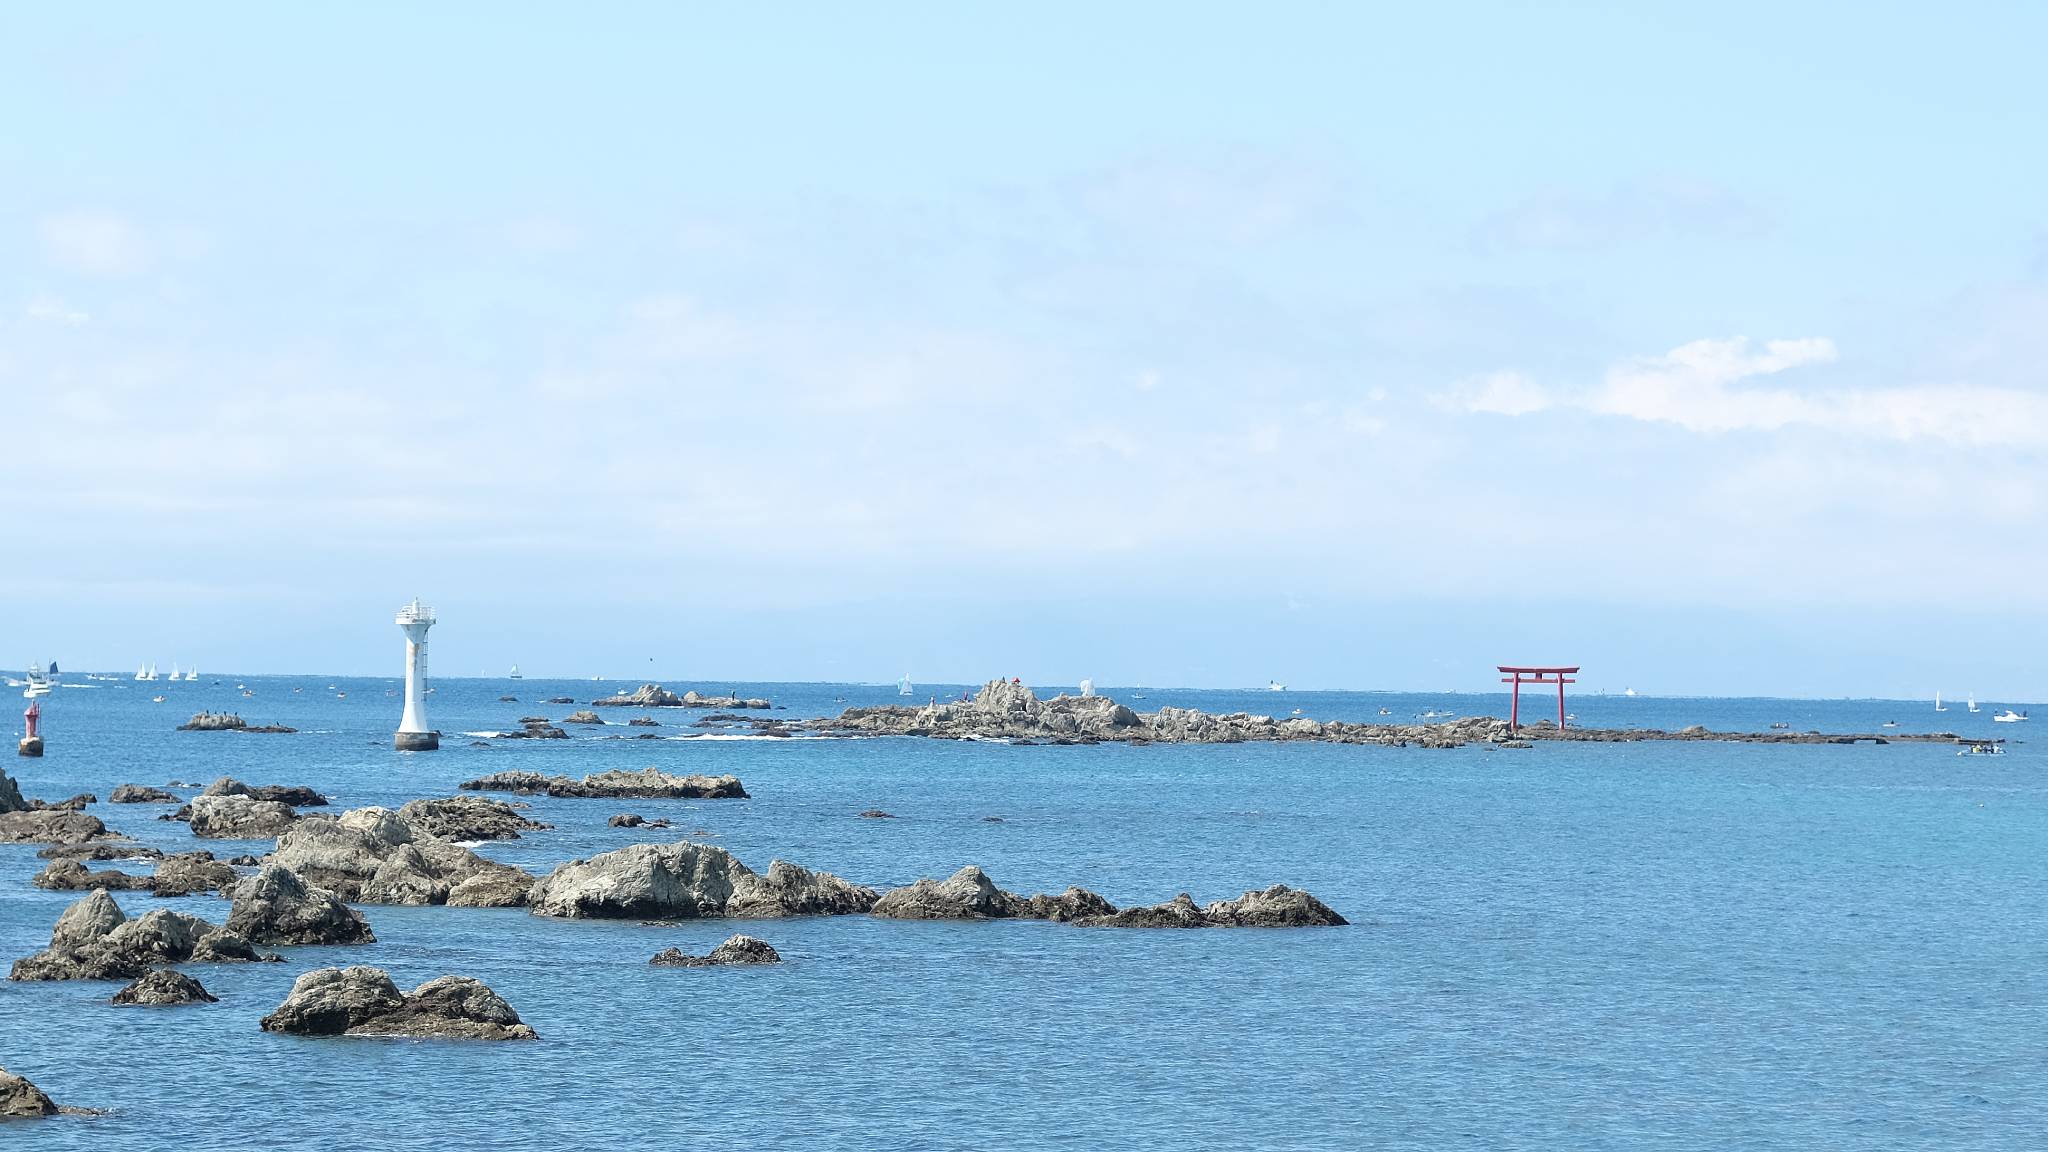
1574, 946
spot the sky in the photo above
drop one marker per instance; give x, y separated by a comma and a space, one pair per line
1355, 346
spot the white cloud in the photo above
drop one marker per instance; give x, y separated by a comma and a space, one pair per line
1497, 393
50, 310
93, 244
1705, 387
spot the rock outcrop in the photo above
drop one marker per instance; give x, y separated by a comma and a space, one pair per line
584, 716
192, 874
10, 795
1275, 907
364, 1002
100, 850
655, 696
275, 906
374, 856
735, 950
95, 940
533, 730
969, 894
296, 795
687, 880
213, 722
646, 784
21, 1100
140, 794
634, 820
236, 817
51, 826
163, 987
72, 876
466, 818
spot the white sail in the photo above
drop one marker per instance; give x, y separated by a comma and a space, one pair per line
903, 688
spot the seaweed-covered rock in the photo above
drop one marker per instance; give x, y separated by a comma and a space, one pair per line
364, 1002
466, 818
735, 950
140, 794
275, 906
647, 784
164, 986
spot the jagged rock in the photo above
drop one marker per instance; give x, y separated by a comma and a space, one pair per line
966, 895
51, 827
466, 818
877, 814
72, 804
540, 731
375, 856
20, 1099
626, 820
644, 722
1180, 912
72, 876
296, 795
95, 940
687, 880
647, 784
213, 722
585, 716
1277, 907
141, 794
192, 874
364, 1002
164, 986
238, 817
276, 907
10, 795
647, 696
735, 950
1073, 904
100, 850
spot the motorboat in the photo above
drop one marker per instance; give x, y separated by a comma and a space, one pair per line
2010, 717
1275, 686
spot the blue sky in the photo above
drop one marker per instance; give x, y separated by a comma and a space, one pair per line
1350, 345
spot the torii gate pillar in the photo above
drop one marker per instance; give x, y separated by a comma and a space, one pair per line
1545, 676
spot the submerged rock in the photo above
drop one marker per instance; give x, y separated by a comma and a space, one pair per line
164, 986
876, 814
275, 906
140, 794
735, 950
561, 699
644, 722
686, 880
647, 784
95, 940
364, 1002
466, 818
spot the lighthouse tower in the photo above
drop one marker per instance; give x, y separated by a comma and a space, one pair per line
413, 734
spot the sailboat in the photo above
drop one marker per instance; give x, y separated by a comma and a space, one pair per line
903, 687
175, 674
1938, 705
142, 671
192, 674
1972, 699
514, 674
151, 674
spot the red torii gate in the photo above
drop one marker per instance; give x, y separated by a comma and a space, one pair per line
1546, 676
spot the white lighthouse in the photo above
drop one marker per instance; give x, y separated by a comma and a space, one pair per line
413, 734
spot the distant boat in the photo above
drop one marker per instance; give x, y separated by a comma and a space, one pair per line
1889, 724
142, 671
1972, 700
156, 699
192, 675
1275, 686
1628, 691
903, 687
175, 674
1297, 712
53, 669
1087, 687
1938, 706
514, 674
1386, 711
2010, 717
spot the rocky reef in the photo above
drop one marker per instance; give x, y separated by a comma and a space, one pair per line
163, 987
51, 826
276, 906
21, 1100
646, 784
583, 716
687, 881
655, 696
735, 949
376, 856
466, 818
1007, 710
182, 874
1275, 907
364, 1002
95, 940
140, 794
227, 722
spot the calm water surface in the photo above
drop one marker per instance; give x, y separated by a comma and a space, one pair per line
1619, 946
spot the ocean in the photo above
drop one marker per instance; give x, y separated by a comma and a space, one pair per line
1668, 945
